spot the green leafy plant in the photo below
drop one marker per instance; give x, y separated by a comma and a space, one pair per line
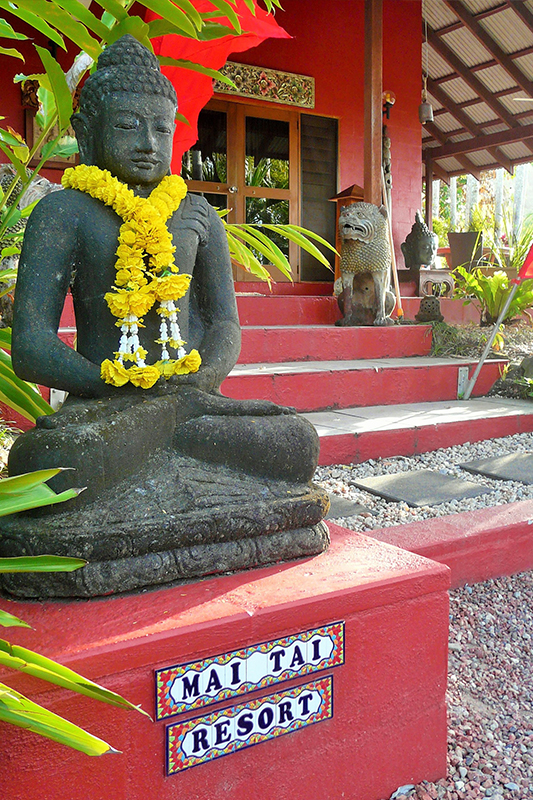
16, 494
489, 293
19, 395
441, 227
244, 239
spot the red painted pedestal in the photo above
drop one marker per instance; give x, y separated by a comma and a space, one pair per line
389, 717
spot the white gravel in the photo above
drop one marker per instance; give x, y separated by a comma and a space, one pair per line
339, 480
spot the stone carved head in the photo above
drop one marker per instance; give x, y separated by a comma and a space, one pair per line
420, 246
127, 110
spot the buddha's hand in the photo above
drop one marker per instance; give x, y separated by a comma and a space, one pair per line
206, 379
217, 405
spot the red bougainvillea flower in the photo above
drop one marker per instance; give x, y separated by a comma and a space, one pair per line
193, 89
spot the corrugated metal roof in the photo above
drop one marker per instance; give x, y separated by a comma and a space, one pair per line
480, 113
512, 35
516, 150
481, 158
508, 30
475, 6
446, 123
458, 90
438, 14
466, 46
496, 78
525, 63
437, 66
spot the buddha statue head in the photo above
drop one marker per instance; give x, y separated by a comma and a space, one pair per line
420, 246
126, 119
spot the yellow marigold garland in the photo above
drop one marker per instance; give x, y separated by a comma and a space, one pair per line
145, 274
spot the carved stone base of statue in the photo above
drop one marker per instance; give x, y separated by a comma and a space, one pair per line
179, 519
363, 302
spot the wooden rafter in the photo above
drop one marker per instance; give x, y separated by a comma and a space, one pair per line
465, 73
440, 144
464, 161
373, 110
483, 36
466, 121
440, 173
523, 12
521, 134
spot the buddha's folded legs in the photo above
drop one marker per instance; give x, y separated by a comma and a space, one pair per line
105, 444
283, 447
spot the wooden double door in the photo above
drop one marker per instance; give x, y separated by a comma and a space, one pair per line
247, 161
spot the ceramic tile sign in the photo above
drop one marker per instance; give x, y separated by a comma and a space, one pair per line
220, 733
196, 684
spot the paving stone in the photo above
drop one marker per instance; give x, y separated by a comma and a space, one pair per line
421, 487
341, 507
509, 467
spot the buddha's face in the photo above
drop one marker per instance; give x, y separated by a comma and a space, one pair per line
133, 137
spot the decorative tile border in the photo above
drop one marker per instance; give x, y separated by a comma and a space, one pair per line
211, 736
184, 687
268, 84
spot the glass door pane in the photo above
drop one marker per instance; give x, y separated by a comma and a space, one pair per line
207, 159
267, 153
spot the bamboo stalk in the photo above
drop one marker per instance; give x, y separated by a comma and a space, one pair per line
399, 309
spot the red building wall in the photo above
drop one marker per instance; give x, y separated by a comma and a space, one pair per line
328, 43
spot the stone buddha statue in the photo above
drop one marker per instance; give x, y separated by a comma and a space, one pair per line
181, 481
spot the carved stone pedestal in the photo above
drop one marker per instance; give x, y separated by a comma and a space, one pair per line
179, 520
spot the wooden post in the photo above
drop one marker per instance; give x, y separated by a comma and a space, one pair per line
373, 99
429, 192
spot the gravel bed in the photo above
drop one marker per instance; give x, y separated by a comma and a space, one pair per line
381, 513
490, 695
490, 687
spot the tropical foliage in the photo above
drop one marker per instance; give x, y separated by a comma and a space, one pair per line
263, 249
489, 293
19, 395
16, 494
63, 20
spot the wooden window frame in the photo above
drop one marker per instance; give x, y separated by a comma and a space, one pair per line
236, 110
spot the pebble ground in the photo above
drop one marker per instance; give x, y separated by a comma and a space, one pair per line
382, 513
490, 689
490, 695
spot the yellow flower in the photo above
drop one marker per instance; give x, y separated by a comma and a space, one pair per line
126, 251
166, 368
114, 372
145, 377
128, 235
172, 286
144, 249
124, 303
133, 276
162, 260
189, 363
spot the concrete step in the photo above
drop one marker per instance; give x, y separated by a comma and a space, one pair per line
353, 435
273, 343
475, 545
321, 385
256, 309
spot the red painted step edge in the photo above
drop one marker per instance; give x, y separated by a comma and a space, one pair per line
347, 448
287, 310
306, 343
318, 390
324, 288
475, 545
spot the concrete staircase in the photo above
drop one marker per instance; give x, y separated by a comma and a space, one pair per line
370, 392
